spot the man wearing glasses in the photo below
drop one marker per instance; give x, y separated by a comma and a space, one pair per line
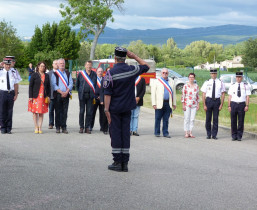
213, 99
163, 95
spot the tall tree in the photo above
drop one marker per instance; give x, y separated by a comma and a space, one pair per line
91, 15
250, 54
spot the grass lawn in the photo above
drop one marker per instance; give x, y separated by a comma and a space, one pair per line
224, 115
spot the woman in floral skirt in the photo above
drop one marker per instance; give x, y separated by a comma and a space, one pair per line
190, 101
39, 93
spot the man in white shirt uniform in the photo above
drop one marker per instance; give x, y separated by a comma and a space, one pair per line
238, 103
213, 99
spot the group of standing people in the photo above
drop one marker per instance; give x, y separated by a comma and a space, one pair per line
163, 95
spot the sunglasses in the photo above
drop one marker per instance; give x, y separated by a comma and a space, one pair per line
165, 72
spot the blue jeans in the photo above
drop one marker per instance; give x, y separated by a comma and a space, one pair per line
163, 113
134, 119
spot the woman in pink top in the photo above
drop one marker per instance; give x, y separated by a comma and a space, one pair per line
190, 101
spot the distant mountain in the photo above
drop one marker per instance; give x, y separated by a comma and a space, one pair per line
225, 34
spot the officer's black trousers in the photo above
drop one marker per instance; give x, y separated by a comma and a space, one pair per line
6, 110
237, 116
212, 110
61, 111
120, 136
102, 118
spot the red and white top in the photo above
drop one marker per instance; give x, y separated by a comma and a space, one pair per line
190, 95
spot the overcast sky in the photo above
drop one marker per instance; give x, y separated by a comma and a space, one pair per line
24, 15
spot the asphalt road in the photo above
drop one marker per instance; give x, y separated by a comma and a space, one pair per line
59, 171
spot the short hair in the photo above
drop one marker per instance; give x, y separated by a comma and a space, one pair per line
164, 69
120, 59
193, 74
61, 59
99, 68
55, 61
89, 61
39, 63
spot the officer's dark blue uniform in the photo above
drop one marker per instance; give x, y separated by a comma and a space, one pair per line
7, 94
239, 94
122, 92
213, 89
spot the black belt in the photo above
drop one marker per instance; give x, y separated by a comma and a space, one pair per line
213, 98
165, 100
7, 91
238, 102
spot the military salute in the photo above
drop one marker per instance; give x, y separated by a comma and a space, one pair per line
238, 104
8, 94
213, 99
119, 100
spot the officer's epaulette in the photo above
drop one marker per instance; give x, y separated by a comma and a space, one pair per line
13, 70
245, 83
1, 69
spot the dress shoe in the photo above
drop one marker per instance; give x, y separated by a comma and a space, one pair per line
124, 166
3, 132
81, 130
105, 132
239, 139
87, 130
158, 135
168, 136
135, 134
9, 132
50, 127
234, 139
58, 130
65, 131
215, 138
116, 166
208, 137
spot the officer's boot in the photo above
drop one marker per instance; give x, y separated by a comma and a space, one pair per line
125, 166
116, 166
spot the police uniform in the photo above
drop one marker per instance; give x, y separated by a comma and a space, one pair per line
119, 83
238, 93
213, 90
7, 97
15, 71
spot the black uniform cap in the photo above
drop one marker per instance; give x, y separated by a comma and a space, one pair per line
120, 52
213, 71
10, 57
239, 74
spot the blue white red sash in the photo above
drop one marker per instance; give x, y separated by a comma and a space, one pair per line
98, 82
88, 80
64, 81
137, 80
166, 85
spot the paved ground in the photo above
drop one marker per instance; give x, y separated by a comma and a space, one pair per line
52, 171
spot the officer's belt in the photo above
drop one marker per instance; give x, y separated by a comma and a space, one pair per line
238, 102
7, 91
213, 99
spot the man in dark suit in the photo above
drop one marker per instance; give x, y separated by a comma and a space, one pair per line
139, 93
102, 118
86, 85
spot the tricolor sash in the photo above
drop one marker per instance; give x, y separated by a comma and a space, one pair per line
167, 86
98, 82
137, 80
64, 81
88, 80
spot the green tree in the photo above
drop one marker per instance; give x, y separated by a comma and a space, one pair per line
250, 53
91, 15
139, 48
10, 43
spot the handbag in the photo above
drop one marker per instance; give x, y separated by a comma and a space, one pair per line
47, 100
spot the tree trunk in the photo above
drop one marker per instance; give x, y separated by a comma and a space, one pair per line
94, 43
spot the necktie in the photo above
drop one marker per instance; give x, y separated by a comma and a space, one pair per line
213, 90
8, 81
239, 91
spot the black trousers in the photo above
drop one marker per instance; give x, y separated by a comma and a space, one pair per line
120, 136
51, 112
102, 117
6, 110
61, 111
85, 103
212, 111
237, 119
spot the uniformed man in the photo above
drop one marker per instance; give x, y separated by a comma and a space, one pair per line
8, 94
238, 104
119, 84
213, 99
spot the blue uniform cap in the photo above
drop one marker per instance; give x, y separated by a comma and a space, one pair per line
239, 74
7, 61
120, 52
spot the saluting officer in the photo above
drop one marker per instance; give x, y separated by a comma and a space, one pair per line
213, 99
238, 103
119, 100
8, 94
